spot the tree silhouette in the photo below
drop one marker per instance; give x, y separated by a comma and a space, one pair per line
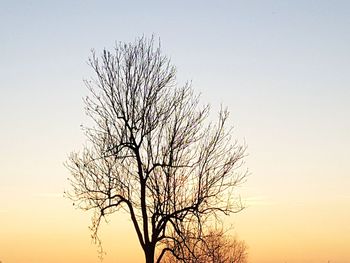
152, 151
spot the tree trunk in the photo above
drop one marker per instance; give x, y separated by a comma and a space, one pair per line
149, 254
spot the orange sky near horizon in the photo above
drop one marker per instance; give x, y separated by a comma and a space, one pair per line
313, 231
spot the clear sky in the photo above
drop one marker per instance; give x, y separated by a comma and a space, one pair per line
281, 67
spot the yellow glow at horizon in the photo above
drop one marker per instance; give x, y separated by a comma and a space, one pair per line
56, 232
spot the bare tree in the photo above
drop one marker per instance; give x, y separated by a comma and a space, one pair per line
213, 247
151, 151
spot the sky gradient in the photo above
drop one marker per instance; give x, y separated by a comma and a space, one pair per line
281, 68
